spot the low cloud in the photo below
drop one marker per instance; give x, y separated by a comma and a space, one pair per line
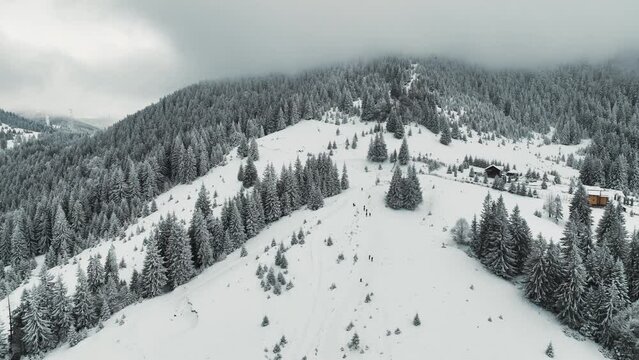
118, 56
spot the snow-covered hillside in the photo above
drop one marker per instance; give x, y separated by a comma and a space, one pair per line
21, 135
404, 260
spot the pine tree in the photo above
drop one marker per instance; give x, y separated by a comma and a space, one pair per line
412, 189
253, 153
632, 268
501, 256
445, 137
272, 210
403, 155
550, 352
95, 274
111, 266
399, 129
61, 311
180, 264
391, 123
19, 246
537, 285
395, 194
315, 198
580, 214
344, 181
521, 237
235, 229
485, 223
61, 233
416, 320
615, 299
250, 174
153, 273
37, 333
571, 291
240, 174
354, 343
83, 310
203, 203
611, 231
200, 241
377, 151
243, 149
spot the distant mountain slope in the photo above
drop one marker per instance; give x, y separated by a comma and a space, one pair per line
17, 121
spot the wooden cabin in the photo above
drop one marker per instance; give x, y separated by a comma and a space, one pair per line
492, 171
597, 199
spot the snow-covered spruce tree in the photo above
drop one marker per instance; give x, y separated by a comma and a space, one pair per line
445, 137
179, 257
399, 129
203, 202
95, 274
403, 155
37, 334
611, 231
315, 198
250, 173
83, 310
550, 352
235, 229
153, 278
271, 201
240, 173
61, 311
412, 189
344, 184
521, 237
253, 153
571, 290
391, 123
537, 285
580, 213
243, 149
614, 299
395, 194
377, 151
632, 268
485, 225
501, 256
111, 266
251, 222
200, 241
61, 235
354, 343
19, 246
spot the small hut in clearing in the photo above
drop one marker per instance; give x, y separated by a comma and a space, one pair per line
493, 171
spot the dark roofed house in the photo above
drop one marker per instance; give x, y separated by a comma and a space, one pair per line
492, 171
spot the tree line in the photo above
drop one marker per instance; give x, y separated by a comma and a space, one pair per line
589, 280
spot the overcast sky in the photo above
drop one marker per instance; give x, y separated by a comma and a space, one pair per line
109, 58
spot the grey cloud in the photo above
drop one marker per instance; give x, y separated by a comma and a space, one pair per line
219, 39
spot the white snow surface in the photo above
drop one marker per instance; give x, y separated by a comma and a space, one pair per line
415, 269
